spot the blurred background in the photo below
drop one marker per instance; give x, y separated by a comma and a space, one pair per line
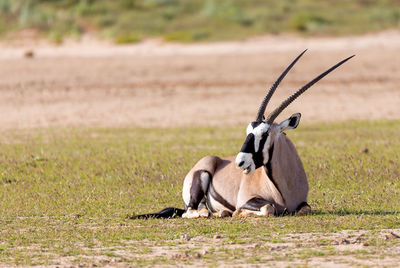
129, 21
127, 62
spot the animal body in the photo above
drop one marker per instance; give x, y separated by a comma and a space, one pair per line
266, 177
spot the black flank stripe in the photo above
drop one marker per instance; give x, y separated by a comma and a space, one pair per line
219, 198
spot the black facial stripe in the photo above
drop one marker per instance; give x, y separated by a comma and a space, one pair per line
258, 157
248, 145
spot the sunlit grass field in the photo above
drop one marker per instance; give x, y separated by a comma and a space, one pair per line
65, 193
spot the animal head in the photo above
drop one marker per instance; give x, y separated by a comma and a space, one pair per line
261, 133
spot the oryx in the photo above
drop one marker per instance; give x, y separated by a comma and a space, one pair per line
265, 178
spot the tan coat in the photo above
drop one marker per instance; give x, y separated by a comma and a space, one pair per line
286, 190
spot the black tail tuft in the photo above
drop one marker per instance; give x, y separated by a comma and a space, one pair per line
165, 213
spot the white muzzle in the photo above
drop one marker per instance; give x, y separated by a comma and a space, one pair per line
245, 162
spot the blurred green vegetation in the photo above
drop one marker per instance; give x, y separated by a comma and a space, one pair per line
127, 21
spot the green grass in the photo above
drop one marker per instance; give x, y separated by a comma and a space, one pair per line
196, 20
65, 193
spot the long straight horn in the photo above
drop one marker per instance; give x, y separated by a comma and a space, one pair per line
264, 103
289, 100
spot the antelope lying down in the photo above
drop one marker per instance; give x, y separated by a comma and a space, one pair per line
266, 177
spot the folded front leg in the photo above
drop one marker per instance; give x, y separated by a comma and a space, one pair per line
255, 207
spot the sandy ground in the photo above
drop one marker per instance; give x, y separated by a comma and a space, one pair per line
153, 83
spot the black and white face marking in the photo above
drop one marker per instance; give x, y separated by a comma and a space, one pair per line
254, 152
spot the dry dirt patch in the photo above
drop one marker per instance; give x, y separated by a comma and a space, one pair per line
158, 84
341, 249
345, 248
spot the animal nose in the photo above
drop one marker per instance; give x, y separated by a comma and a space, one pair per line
241, 163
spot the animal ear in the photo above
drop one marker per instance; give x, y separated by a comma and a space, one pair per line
290, 123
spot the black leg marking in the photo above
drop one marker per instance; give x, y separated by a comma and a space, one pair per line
196, 191
255, 204
208, 204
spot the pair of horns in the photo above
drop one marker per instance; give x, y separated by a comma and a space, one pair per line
270, 119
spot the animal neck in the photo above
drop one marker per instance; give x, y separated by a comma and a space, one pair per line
268, 169
286, 172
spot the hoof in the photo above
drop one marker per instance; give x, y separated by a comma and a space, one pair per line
267, 210
203, 213
304, 210
222, 214
242, 213
191, 214
236, 213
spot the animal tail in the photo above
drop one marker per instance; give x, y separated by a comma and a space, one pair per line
162, 214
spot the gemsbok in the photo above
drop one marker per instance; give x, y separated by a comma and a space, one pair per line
266, 177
